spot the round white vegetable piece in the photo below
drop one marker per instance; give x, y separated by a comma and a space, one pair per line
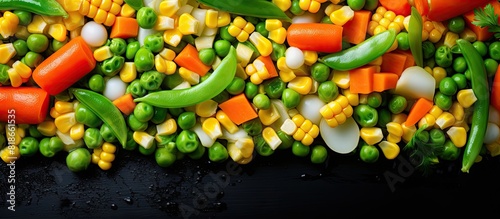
114, 88
94, 34
415, 83
294, 57
492, 133
342, 139
309, 107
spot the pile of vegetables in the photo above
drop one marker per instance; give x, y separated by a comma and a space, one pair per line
236, 79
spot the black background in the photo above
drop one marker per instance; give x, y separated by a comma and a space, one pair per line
279, 186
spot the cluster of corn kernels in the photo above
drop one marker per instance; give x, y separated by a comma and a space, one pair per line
19, 73
384, 19
164, 61
101, 11
13, 134
67, 128
8, 24
301, 129
257, 72
438, 73
451, 121
336, 111
431, 30
104, 156
55, 27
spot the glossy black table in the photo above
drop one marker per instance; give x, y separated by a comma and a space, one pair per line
279, 186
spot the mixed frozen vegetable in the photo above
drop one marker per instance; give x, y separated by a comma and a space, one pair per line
235, 79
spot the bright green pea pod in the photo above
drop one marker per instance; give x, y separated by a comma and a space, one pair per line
208, 89
255, 8
361, 54
135, 4
104, 109
45, 7
415, 37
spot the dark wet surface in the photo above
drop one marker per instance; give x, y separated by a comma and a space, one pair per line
279, 186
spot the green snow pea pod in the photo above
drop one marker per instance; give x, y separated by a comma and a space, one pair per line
46, 7
415, 27
255, 8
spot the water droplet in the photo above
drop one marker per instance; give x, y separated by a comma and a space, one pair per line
114, 206
128, 200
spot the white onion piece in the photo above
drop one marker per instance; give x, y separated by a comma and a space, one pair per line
342, 139
494, 116
114, 88
307, 17
415, 83
241, 133
205, 140
94, 34
294, 57
282, 111
309, 108
492, 133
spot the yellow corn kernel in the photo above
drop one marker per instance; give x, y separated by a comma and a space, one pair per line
115, 8
314, 131
226, 122
450, 39
47, 128
379, 29
394, 26
466, 97
106, 5
342, 15
494, 148
438, 73
306, 125
96, 155
96, 3
22, 69
7, 52
341, 78
104, 165
263, 45
271, 137
273, 24
352, 98
169, 7
435, 36
160, 64
167, 54
144, 139
393, 138
408, 132
172, 37
63, 107
269, 116
211, 18
167, 127
299, 135
389, 149
10, 154
371, 135
188, 24
304, 4
92, 11
457, 135
457, 110
75, 33
445, 120
212, 127
399, 118
84, 8
468, 35
129, 72
298, 120
106, 157
100, 16
278, 35
310, 57
102, 53
77, 131
301, 84
287, 75
283, 4
164, 23
246, 146
206, 108
190, 76
394, 128
435, 111
428, 120
53, 112
108, 147
371, 27
384, 22
127, 11
15, 79
65, 121
223, 19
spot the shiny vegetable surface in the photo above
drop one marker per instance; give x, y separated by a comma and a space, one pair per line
46, 7
256, 8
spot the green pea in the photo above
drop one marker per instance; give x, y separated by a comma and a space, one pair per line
437, 136
320, 72
130, 145
480, 47
450, 151
135, 88
251, 90
278, 51
207, 56
262, 101
403, 42
110, 67
374, 99
84, 115
164, 158
176, 112
171, 81
50, 146
143, 112
467, 74
295, 8
4, 75
443, 101
448, 86
28, 146
356, 5
154, 43
443, 56
37, 42
384, 117
369, 153
371, 5
144, 60
428, 49
151, 80
187, 141
92, 138
274, 87
222, 47
253, 127
491, 66
160, 115
24, 17
32, 59
107, 133
132, 49
217, 152
261, 28
197, 153
397, 104
456, 24
21, 47
286, 140
56, 44
97, 83
328, 91
318, 154
423, 136
237, 86
118, 46
290, 98
225, 35
78, 160
33, 131
459, 64
186, 120
326, 20
146, 17
494, 50
299, 149
148, 151
365, 115
460, 80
